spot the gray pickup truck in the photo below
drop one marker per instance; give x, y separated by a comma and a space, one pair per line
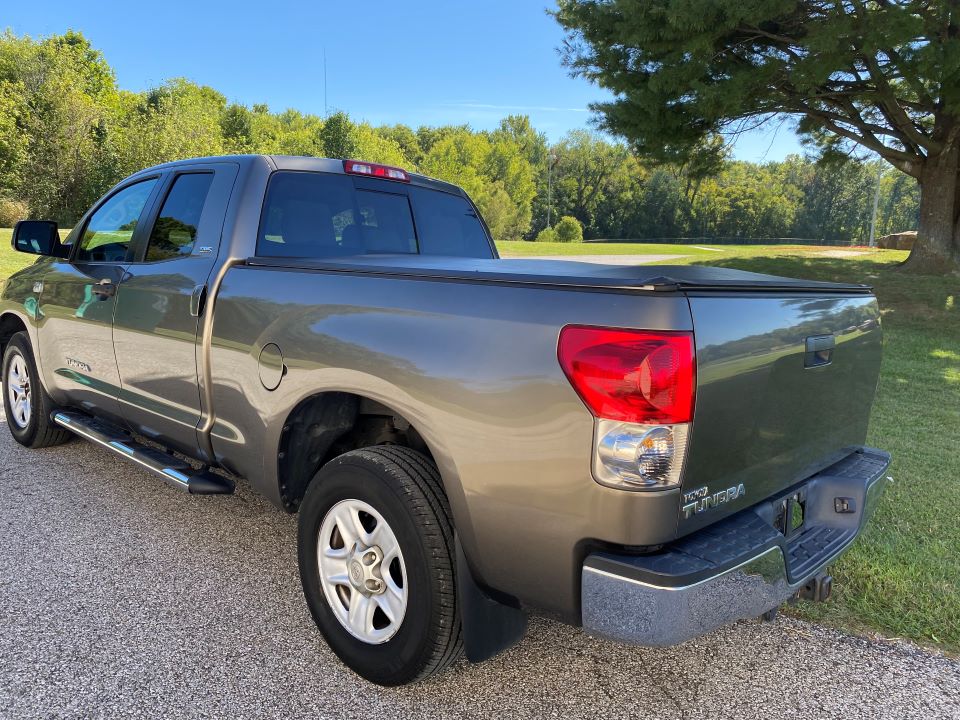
649, 452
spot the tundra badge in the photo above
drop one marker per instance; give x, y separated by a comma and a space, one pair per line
79, 365
701, 499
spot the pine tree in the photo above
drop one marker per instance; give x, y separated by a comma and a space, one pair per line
882, 75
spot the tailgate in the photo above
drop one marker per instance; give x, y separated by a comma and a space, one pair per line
784, 388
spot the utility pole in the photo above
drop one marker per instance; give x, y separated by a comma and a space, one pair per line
326, 111
876, 203
551, 158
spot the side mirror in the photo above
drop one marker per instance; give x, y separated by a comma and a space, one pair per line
38, 237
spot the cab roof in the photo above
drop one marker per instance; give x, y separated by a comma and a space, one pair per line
300, 163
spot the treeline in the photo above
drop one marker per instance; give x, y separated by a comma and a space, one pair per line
67, 133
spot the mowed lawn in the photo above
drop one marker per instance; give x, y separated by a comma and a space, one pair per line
10, 260
902, 578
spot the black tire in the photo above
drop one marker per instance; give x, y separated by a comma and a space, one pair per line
404, 487
39, 431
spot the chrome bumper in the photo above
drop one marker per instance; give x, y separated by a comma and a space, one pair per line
695, 586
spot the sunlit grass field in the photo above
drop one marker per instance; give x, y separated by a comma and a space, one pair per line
10, 260
902, 578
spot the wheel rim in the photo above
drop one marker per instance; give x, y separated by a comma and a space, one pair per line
18, 389
362, 571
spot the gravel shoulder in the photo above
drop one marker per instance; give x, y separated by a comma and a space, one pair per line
121, 597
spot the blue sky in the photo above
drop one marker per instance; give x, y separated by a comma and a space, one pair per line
414, 62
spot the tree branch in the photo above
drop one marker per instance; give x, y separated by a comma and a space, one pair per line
891, 108
897, 59
899, 159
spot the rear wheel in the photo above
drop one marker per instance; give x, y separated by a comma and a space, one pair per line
376, 559
25, 402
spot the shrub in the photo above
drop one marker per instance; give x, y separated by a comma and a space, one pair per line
547, 235
569, 229
12, 211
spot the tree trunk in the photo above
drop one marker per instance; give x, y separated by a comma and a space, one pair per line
937, 249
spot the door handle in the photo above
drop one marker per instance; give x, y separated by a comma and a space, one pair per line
818, 350
104, 289
197, 298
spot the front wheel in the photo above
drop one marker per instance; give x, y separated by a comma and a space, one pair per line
377, 562
25, 402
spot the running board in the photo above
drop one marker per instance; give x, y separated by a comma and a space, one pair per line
171, 469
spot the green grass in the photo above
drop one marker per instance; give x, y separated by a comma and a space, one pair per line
902, 578
10, 260
520, 248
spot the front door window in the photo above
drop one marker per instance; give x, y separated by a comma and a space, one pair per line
109, 231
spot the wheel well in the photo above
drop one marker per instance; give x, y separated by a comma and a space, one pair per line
329, 424
10, 325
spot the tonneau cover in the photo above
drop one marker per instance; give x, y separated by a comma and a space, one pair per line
565, 273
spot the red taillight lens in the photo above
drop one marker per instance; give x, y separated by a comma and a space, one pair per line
636, 376
385, 172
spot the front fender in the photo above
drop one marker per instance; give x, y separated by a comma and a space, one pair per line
20, 303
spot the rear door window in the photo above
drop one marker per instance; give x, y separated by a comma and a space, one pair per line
175, 230
316, 215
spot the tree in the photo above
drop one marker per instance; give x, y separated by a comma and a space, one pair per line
236, 124
547, 235
176, 120
532, 144
881, 75
59, 93
585, 165
569, 230
837, 200
899, 203
659, 211
338, 137
406, 139
288, 133
493, 171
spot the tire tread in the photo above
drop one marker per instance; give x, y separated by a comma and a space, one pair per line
420, 481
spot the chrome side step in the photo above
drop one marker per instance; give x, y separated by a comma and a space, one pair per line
171, 469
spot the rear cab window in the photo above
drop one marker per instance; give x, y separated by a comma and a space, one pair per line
318, 215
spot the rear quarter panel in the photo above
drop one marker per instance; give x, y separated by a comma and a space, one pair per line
473, 367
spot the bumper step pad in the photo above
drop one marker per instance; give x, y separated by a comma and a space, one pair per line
738, 568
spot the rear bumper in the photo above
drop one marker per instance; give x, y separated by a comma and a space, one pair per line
738, 568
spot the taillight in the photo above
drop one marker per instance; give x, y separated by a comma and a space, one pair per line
385, 172
640, 386
635, 376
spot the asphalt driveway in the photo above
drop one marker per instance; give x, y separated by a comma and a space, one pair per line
121, 597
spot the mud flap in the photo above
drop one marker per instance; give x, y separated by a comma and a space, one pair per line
489, 626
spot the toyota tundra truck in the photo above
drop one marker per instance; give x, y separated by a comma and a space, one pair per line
649, 452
